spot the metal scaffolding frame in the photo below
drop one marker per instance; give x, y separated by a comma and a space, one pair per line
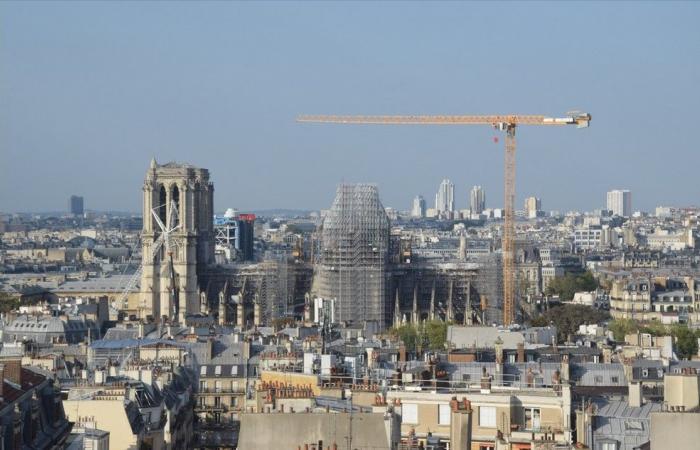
354, 255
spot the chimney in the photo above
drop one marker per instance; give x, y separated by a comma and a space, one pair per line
635, 397
521, 353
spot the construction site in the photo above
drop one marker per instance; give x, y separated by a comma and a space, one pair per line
368, 272
353, 256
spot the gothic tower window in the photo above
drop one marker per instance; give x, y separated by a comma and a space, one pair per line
162, 203
175, 203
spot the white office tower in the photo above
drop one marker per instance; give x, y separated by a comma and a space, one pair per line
445, 198
418, 209
533, 206
620, 202
477, 200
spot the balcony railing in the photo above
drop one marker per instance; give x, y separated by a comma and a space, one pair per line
215, 390
210, 408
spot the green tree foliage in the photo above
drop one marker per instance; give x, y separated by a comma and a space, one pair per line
566, 286
430, 335
655, 328
8, 303
623, 327
408, 335
436, 334
539, 321
686, 341
567, 318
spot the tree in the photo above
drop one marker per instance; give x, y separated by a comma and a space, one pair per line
408, 335
539, 321
8, 303
567, 318
623, 327
566, 286
430, 335
436, 333
686, 341
655, 328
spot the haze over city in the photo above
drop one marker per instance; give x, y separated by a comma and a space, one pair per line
91, 91
425, 225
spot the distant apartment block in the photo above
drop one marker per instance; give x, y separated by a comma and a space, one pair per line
620, 202
76, 204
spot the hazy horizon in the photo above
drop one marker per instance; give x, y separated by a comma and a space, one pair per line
89, 92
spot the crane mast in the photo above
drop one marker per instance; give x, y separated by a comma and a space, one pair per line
503, 122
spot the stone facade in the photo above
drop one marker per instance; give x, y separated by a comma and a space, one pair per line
181, 199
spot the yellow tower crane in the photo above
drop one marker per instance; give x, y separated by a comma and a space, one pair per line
506, 123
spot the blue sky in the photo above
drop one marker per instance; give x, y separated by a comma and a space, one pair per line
89, 92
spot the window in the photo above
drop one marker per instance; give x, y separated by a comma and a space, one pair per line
532, 418
615, 379
466, 377
202, 386
598, 379
217, 401
444, 412
607, 446
487, 416
486, 447
409, 413
634, 425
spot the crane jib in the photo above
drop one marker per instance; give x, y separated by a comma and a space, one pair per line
504, 122
580, 119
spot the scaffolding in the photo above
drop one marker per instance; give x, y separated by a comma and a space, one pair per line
490, 285
354, 255
443, 291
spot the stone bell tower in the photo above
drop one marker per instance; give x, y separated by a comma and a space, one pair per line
182, 235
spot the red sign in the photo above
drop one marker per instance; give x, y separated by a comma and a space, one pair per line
247, 217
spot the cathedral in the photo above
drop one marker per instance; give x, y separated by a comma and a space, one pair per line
177, 239
182, 283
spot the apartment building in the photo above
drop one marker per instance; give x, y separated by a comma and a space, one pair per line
504, 417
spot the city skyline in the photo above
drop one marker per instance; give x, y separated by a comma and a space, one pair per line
85, 92
303, 224
458, 205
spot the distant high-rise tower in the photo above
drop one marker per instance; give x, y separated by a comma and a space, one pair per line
445, 197
182, 198
477, 200
418, 209
533, 206
620, 202
76, 205
354, 256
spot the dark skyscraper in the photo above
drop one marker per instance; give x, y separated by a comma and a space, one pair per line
246, 227
76, 205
